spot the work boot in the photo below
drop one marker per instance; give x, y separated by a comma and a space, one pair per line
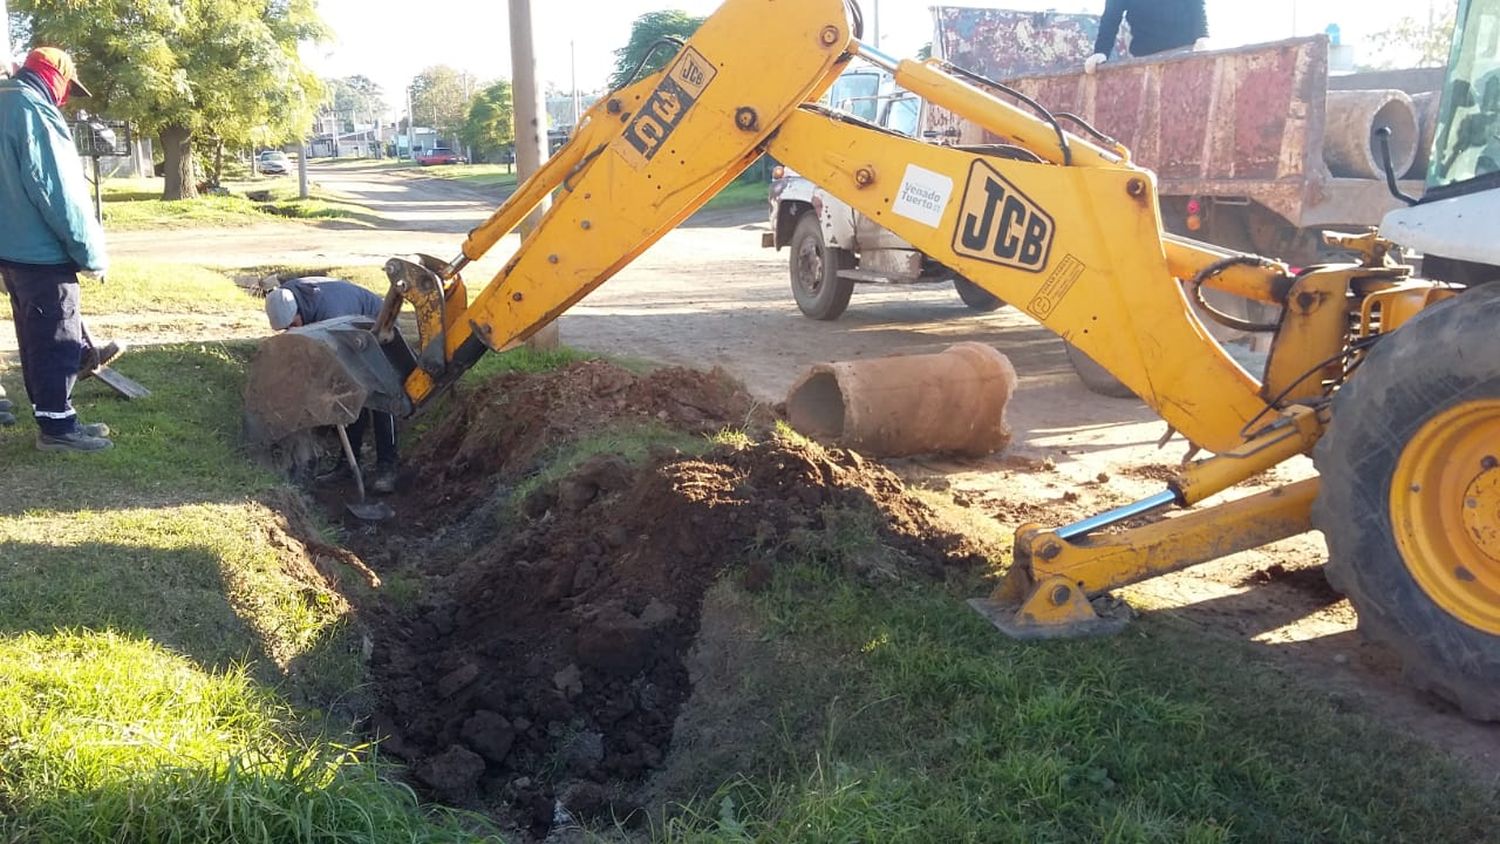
7, 418
383, 480
75, 441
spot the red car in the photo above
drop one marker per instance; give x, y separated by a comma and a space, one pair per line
439, 155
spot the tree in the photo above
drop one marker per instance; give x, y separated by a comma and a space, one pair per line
353, 98
491, 124
644, 33
224, 70
440, 94
1416, 43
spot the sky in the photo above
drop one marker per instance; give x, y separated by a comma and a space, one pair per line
392, 42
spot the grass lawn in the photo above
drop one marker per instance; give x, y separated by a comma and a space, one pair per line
499, 176
475, 175
168, 655
739, 194
143, 287
136, 204
903, 716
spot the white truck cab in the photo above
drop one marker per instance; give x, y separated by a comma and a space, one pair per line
832, 246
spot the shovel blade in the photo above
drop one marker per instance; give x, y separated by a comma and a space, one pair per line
123, 384
370, 511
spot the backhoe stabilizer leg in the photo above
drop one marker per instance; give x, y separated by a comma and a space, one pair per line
1047, 591
1052, 609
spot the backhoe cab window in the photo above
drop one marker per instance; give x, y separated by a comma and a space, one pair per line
1467, 145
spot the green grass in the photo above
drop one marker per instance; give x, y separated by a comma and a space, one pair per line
114, 738
914, 720
144, 287
739, 194
474, 175
174, 666
131, 204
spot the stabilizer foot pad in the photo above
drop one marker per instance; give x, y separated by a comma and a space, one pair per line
1110, 617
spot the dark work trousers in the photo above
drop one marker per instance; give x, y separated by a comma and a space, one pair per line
385, 435
44, 305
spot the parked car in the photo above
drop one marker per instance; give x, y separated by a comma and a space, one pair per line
439, 155
273, 162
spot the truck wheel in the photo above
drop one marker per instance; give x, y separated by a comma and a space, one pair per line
976, 297
1410, 498
815, 266
1095, 377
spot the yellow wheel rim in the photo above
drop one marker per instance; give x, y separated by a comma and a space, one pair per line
1445, 511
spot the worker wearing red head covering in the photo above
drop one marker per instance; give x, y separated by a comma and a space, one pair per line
49, 234
56, 70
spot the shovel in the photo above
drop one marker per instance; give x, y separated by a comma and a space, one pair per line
120, 383
368, 511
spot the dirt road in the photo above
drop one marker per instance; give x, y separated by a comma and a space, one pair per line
708, 295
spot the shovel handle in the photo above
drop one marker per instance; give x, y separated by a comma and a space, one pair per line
359, 481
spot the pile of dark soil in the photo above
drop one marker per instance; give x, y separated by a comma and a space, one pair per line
549, 665
506, 424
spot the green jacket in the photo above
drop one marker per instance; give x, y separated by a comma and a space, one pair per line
47, 216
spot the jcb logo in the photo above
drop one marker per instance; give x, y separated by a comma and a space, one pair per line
663, 111
999, 224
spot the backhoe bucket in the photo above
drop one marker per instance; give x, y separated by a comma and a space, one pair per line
319, 375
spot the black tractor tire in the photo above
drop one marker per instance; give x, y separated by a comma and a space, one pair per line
1095, 377
816, 285
976, 297
1445, 356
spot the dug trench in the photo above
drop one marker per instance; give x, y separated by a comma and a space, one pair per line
539, 656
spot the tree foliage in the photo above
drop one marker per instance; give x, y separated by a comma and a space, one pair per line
1415, 42
644, 33
491, 124
440, 99
354, 99
225, 69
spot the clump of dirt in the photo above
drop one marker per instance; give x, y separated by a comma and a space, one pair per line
549, 666
1153, 472
506, 424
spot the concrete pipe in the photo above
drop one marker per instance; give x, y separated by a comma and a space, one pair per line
1349, 141
950, 402
1427, 118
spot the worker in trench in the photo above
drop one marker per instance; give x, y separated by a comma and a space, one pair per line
312, 299
1156, 26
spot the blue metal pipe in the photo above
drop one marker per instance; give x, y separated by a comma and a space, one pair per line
1165, 498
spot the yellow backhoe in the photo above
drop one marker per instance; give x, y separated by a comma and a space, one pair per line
1390, 381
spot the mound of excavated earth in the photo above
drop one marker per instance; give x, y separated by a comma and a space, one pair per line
548, 664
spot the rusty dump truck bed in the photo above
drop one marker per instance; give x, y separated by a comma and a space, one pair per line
1245, 125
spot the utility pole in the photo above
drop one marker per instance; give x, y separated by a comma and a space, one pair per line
302, 169
531, 111
411, 120
468, 102
573, 67
531, 125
